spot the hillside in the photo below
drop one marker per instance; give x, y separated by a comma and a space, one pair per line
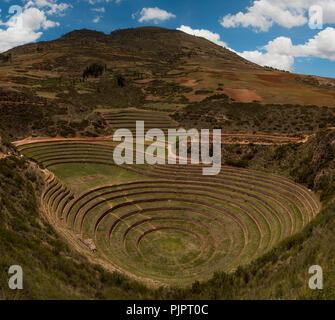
158, 69
95, 229
279, 274
52, 270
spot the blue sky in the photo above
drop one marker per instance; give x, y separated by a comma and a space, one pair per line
285, 34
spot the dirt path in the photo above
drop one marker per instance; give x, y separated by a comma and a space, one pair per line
227, 138
46, 139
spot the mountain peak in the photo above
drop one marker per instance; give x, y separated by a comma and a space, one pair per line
83, 33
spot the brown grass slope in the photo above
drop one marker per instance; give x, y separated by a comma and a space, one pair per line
43, 92
160, 65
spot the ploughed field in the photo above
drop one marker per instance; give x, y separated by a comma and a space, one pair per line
164, 223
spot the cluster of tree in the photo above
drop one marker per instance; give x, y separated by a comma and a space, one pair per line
6, 57
120, 80
94, 70
275, 69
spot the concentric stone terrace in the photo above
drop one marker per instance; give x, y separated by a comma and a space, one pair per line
127, 119
167, 223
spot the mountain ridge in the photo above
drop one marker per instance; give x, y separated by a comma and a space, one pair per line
150, 68
171, 56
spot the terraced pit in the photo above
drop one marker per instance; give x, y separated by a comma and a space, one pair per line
127, 119
167, 222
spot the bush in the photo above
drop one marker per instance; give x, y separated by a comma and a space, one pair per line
95, 70
120, 80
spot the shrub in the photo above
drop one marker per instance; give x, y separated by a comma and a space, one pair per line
95, 70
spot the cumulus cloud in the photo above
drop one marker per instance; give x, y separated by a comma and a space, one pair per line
153, 14
321, 46
96, 19
275, 60
101, 10
51, 6
280, 52
29, 23
93, 2
275, 54
262, 14
211, 36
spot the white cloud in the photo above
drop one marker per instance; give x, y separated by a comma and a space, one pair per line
321, 46
24, 29
96, 19
280, 52
29, 24
154, 14
101, 10
211, 36
275, 60
275, 54
93, 2
262, 14
52, 6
